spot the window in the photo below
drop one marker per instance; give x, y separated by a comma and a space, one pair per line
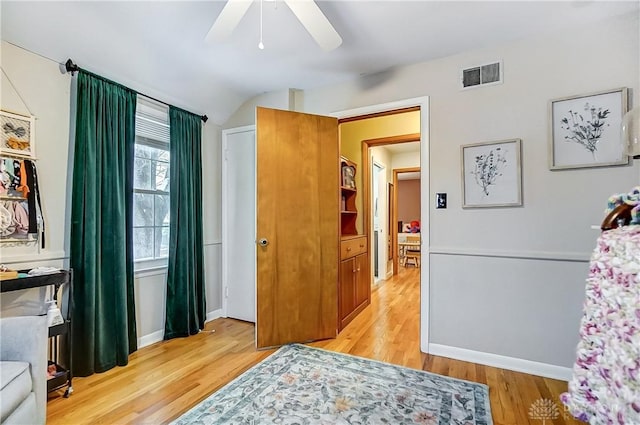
151, 183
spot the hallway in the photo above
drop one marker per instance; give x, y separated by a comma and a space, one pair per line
389, 329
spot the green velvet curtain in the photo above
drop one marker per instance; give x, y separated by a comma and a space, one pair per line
103, 321
185, 279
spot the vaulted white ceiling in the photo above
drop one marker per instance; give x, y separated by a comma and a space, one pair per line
158, 47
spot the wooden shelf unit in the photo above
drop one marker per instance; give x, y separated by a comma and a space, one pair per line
354, 288
348, 193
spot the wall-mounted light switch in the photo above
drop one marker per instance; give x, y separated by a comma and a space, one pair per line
441, 200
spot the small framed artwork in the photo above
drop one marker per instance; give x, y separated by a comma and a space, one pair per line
18, 138
584, 131
348, 176
491, 174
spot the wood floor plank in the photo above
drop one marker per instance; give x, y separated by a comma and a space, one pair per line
166, 379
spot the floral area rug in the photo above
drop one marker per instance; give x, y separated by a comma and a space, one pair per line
304, 385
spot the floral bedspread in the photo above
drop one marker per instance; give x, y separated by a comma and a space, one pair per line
605, 387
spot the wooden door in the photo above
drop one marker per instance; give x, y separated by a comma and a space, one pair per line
297, 227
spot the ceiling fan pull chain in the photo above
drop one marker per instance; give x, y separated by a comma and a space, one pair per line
261, 45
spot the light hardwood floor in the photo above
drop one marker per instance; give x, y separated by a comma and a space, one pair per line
164, 380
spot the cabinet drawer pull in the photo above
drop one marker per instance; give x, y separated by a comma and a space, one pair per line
348, 248
358, 269
361, 245
354, 271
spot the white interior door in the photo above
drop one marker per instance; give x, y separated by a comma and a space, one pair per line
239, 223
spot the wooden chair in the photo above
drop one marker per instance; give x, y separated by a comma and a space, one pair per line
412, 254
620, 216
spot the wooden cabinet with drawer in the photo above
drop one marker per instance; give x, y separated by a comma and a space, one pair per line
354, 293
350, 247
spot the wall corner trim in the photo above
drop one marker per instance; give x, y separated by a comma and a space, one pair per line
213, 315
158, 336
495, 360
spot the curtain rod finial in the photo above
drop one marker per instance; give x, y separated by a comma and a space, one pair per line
71, 67
205, 118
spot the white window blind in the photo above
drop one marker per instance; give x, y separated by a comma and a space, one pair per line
152, 121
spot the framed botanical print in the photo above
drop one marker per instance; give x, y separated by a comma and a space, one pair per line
585, 130
491, 174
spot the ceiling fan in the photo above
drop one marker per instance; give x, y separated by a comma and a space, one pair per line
307, 12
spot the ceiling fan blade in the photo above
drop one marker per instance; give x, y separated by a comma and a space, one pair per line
228, 19
312, 18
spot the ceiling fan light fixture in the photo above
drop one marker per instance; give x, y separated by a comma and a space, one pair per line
228, 20
261, 44
316, 23
307, 12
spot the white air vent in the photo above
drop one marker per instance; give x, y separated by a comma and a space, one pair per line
482, 75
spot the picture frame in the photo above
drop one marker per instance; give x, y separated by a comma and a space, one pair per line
584, 130
348, 176
491, 174
17, 135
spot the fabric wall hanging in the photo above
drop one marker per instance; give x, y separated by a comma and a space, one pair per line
20, 207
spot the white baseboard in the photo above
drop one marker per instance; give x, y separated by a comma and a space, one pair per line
213, 315
158, 336
152, 338
511, 363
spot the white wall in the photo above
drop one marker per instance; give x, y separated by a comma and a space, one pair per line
42, 89
406, 160
33, 85
287, 99
500, 305
212, 194
519, 272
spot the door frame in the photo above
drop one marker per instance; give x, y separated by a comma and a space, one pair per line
224, 216
387, 108
394, 236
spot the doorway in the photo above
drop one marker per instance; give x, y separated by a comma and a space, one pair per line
408, 209
417, 104
420, 104
402, 154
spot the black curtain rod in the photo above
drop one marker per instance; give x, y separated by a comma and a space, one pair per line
72, 67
